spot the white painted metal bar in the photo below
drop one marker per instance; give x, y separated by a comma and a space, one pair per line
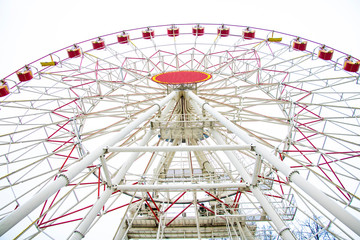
23, 210
180, 187
106, 170
257, 169
342, 214
179, 148
196, 215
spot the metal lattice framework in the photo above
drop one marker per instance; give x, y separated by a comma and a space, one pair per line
90, 145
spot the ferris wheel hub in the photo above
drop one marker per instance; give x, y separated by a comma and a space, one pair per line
181, 77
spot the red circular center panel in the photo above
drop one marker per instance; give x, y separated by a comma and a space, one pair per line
181, 77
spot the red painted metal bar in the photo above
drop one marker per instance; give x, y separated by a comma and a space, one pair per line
306, 139
185, 64
60, 127
89, 183
67, 157
323, 157
54, 219
158, 51
206, 208
133, 70
303, 97
300, 89
306, 126
60, 115
96, 69
237, 193
72, 90
321, 171
309, 151
78, 107
170, 65
278, 181
152, 210
275, 196
178, 214
199, 64
302, 153
348, 157
42, 210
127, 58
61, 155
314, 121
62, 144
269, 47
282, 159
83, 84
174, 202
153, 201
99, 183
305, 108
58, 141
155, 66
278, 71
217, 199
52, 202
237, 201
122, 206
301, 139
64, 105
55, 224
281, 187
343, 152
104, 188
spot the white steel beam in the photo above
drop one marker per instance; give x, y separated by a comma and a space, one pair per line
106, 170
257, 169
196, 215
179, 148
64, 178
181, 187
321, 198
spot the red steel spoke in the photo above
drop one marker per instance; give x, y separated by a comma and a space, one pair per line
174, 202
152, 210
153, 201
178, 214
217, 199
122, 206
54, 219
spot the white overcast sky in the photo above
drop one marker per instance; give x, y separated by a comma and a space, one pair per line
32, 29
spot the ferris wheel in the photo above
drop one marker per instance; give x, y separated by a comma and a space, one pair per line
197, 131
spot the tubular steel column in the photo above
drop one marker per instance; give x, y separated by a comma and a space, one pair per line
64, 178
321, 198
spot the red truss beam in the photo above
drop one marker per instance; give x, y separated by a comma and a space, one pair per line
152, 210
178, 214
174, 202
218, 199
